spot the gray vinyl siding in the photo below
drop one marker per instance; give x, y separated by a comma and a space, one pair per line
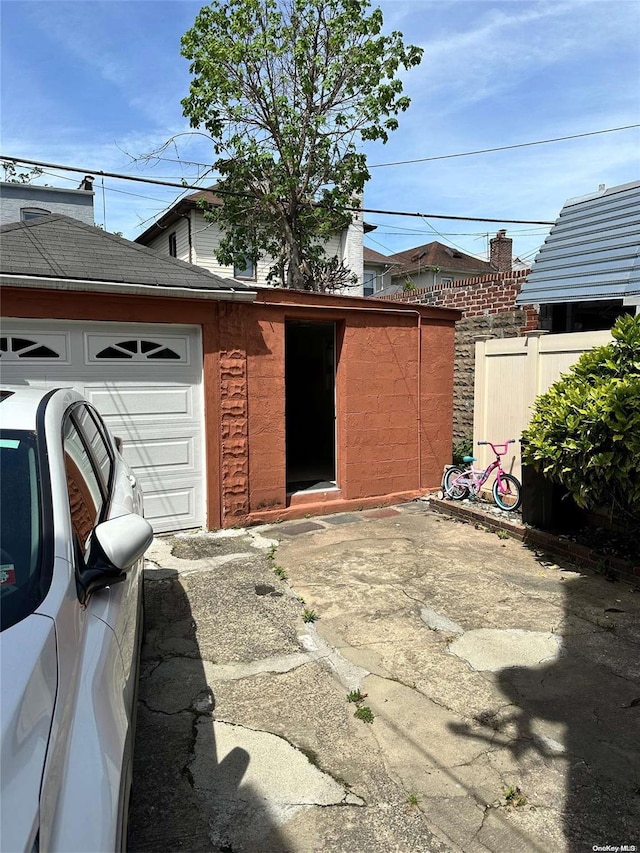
592, 252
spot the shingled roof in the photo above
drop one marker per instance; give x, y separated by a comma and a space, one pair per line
59, 247
370, 256
437, 255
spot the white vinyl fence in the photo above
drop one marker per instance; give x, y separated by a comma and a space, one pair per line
509, 374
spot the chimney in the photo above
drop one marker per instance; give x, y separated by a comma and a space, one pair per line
501, 251
87, 183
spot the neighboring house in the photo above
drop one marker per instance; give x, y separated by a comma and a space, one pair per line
587, 272
377, 272
436, 264
23, 202
235, 405
184, 233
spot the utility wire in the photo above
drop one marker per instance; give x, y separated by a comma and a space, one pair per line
447, 156
185, 187
501, 148
443, 216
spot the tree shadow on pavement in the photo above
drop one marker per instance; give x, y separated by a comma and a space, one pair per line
170, 809
591, 693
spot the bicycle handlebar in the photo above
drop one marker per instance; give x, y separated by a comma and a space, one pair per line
503, 445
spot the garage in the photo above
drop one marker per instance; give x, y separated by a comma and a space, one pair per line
146, 381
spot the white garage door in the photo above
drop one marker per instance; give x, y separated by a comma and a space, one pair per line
146, 381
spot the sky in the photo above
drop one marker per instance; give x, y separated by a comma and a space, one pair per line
97, 84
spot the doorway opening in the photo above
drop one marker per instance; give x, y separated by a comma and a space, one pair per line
310, 408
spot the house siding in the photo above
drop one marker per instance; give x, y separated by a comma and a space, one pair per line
206, 236
181, 230
592, 252
77, 204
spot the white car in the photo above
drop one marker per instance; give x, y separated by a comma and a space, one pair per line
72, 540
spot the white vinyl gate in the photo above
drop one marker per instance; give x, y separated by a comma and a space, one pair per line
146, 382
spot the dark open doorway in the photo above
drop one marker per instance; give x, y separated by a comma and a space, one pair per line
310, 405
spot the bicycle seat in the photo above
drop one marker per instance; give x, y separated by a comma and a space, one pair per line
469, 459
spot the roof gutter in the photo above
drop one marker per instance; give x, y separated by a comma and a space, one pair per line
130, 289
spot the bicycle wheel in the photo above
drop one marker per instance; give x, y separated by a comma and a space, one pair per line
509, 498
453, 490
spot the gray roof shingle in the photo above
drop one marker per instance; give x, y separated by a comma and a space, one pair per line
57, 246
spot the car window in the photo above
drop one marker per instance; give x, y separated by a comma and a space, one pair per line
85, 491
87, 422
20, 540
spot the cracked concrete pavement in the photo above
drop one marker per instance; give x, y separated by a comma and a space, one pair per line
504, 689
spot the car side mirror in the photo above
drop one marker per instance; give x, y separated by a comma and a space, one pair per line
115, 546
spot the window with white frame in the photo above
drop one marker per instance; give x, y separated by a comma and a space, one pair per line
173, 245
369, 281
244, 268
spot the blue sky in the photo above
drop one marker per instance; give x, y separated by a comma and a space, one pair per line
93, 84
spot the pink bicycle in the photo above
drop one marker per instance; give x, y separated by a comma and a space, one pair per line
459, 483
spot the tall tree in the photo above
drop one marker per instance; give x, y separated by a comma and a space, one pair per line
287, 89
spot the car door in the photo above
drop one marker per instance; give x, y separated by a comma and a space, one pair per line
81, 802
119, 605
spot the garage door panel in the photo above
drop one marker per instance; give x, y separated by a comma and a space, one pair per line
178, 503
34, 347
161, 454
153, 348
142, 402
155, 406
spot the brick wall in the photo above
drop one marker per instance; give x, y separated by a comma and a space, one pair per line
488, 307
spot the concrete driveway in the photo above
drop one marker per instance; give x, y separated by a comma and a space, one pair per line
499, 703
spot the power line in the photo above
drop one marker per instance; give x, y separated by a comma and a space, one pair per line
459, 218
501, 148
184, 187
449, 156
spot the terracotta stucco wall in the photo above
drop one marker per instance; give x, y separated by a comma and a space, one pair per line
393, 402
488, 306
394, 389
378, 400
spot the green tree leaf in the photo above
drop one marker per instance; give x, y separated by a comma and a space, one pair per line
285, 90
585, 430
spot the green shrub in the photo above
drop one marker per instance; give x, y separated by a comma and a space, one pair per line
462, 448
585, 431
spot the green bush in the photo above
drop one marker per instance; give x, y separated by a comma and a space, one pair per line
585, 431
462, 448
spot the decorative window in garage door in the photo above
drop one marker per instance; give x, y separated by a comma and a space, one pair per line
14, 348
138, 349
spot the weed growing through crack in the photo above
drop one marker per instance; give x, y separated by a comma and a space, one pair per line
502, 534
310, 754
309, 615
355, 696
280, 572
365, 714
412, 799
514, 797
271, 553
